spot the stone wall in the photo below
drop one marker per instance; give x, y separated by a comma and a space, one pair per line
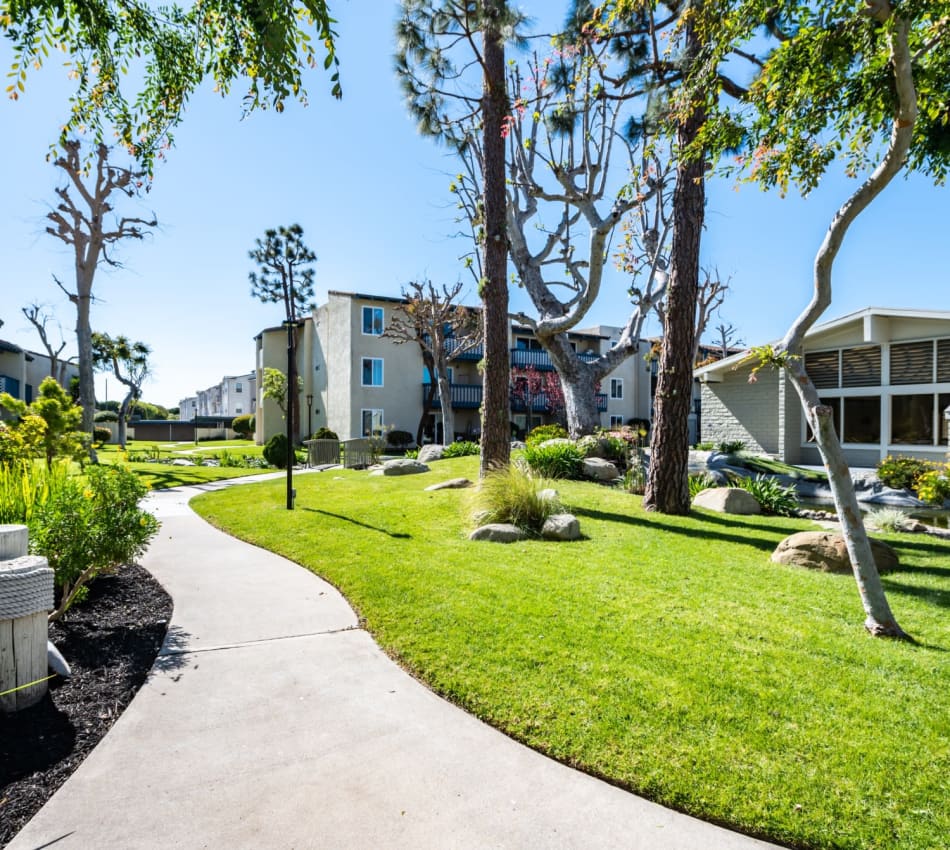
734, 409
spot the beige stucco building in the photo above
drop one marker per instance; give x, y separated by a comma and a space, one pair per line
357, 380
885, 373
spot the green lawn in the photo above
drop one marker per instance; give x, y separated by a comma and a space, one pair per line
162, 474
666, 654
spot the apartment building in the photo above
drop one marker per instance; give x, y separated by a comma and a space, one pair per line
233, 395
22, 371
356, 379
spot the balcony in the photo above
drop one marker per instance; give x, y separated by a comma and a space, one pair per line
452, 345
539, 403
522, 358
464, 396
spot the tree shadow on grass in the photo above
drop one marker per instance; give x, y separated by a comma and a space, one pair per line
935, 596
396, 535
657, 522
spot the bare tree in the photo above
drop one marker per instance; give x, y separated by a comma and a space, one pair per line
38, 317
726, 338
80, 220
128, 362
443, 329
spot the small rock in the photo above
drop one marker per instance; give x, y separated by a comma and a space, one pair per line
518, 445
727, 500
498, 532
561, 527
404, 466
826, 551
451, 484
433, 451
599, 469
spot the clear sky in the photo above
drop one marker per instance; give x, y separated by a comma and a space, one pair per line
372, 197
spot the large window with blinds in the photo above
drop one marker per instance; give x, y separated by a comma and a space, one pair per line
847, 367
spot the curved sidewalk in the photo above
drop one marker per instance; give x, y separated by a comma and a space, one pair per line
271, 720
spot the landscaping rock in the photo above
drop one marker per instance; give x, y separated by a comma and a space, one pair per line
517, 445
727, 500
593, 446
433, 451
561, 527
498, 532
451, 484
599, 469
826, 551
403, 466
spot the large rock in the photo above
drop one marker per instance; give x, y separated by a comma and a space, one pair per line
403, 466
599, 469
561, 527
826, 551
433, 451
498, 532
727, 500
451, 484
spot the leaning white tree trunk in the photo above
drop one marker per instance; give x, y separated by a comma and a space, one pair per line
880, 620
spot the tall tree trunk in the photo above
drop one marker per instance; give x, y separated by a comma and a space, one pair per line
579, 385
496, 417
87, 384
667, 489
124, 419
445, 399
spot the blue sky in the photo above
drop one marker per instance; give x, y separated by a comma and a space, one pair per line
372, 197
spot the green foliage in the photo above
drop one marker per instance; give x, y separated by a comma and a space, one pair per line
902, 473
558, 460
399, 438
461, 448
771, 495
285, 273
325, 434
61, 416
700, 481
21, 441
412, 454
147, 410
83, 529
706, 446
101, 434
933, 486
545, 432
106, 416
25, 486
887, 519
730, 447
274, 386
513, 496
275, 451
268, 45
243, 425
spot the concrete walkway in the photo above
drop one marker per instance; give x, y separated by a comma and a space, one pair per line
272, 721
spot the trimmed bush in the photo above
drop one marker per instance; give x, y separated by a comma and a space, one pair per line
558, 460
731, 447
545, 432
902, 473
933, 486
462, 448
101, 434
106, 416
512, 496
325, 434
399, 439
275, 451
243, 425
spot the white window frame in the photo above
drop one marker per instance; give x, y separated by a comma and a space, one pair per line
376, 415
616, 389
372, 323
616, 420
372, 371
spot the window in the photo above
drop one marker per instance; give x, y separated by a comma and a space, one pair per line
616, 388
372, 371
862, 420
238, 409
861, 367
238, 387
526, 344
822, 368
912, 363
372, 421
373, 321
427, 376
912, 419
615, 420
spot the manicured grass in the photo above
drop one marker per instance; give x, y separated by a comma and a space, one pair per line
768, 466
664, 653
162, 474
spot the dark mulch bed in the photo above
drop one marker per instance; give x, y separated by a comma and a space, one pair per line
110, 642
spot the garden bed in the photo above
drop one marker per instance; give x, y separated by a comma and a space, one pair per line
110, 642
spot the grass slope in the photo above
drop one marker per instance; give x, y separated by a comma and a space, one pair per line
664, 653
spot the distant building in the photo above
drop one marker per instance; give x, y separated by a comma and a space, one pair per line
22, 371
233, 396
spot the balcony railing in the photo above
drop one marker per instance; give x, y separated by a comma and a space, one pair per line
539, 403
522, 358
464, 396
452, 345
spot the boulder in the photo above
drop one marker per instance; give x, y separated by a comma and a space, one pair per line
451, 484
498, 532
593, 446
727, 500
404, 466
433, 451
826, 551
561, 527
599, 469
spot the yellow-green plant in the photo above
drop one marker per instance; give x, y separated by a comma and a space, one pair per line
26, 486
512, 495
933, 486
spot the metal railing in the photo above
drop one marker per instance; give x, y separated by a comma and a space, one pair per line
522, 358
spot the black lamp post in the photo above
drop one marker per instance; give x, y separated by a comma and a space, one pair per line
309, 415
291, 325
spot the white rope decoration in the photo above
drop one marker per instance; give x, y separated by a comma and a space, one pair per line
26, 587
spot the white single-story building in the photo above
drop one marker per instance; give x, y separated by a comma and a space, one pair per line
885, 372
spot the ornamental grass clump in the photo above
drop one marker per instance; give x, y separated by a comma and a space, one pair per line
555, 460
772, 496
513, 496
460, 448
25, 486
887, 519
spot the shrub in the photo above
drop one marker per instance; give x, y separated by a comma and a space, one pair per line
730, 447
772, 496
86, 528
243, 425
412, 454
462, 448
545, 432
887, 519
901, 473
325, 434
400, 438
101, 434
559, 460
512, 496
933, 486
275, 451
26, 486
106, 416
706, 446
700, 481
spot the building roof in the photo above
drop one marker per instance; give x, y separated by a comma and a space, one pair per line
366, 297
10, 347
850, 318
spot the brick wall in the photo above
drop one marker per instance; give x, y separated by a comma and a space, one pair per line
734, 409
